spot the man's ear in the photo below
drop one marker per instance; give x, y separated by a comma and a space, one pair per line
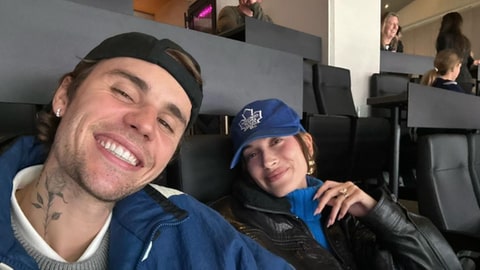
60, 99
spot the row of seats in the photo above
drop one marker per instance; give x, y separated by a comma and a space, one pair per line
447, 165
348, 147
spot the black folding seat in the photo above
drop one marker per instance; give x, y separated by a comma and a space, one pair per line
17, 119
202, 167
447, 192
332, 136
371, 135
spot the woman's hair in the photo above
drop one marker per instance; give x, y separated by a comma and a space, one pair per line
383, 22
451, 23
312, 166
450, 34
47, 122
445, 60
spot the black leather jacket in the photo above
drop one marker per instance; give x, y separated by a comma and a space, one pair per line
389, 237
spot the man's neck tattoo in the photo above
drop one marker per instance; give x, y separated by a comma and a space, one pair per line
54, 187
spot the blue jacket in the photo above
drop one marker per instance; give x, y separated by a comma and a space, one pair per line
149, 229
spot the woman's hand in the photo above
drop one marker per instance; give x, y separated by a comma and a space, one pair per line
343, 197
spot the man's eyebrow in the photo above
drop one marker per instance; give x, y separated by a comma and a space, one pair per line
129, 76
172, 108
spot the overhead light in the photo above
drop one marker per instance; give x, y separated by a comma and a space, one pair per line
386, 6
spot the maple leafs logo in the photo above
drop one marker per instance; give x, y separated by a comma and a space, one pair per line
250, 119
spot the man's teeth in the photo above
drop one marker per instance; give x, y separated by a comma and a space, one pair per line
120, 152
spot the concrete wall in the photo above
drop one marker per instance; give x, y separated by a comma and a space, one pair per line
354, 45
420, 38
120, 6
166, 11
309, 16
421, 11
46, 38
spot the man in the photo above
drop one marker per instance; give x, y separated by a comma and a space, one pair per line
231, 17
115, 122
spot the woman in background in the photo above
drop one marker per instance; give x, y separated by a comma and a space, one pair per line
389, 29
450, 37
447, 65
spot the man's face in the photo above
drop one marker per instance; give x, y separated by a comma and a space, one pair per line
248, 2
121, 128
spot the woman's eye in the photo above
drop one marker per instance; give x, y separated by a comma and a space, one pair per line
249, 156
276, 140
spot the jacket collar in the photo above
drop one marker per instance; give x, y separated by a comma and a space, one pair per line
254, 197
145, 211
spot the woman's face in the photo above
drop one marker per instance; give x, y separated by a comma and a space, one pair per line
277, 164
391, 27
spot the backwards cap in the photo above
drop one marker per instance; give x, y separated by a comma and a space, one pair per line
148, 48
262, 119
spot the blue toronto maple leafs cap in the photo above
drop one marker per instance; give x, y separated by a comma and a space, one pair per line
262, 119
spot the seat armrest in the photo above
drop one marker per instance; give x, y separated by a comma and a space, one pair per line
462, 241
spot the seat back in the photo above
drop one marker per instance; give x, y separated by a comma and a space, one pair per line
445, 190
372, 145
201, 167
309, 96
17, 119
332, 137
333, 86
369, 136
474, 162
382, 84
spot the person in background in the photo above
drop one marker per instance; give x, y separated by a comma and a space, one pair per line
311, 223
388, 33
450, 36
80, 197
231, 17
447, 65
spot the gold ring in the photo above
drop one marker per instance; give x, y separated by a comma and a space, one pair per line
343, 191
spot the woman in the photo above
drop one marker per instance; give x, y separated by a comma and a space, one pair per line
388, 37
450, 37
447, 65
314, 224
